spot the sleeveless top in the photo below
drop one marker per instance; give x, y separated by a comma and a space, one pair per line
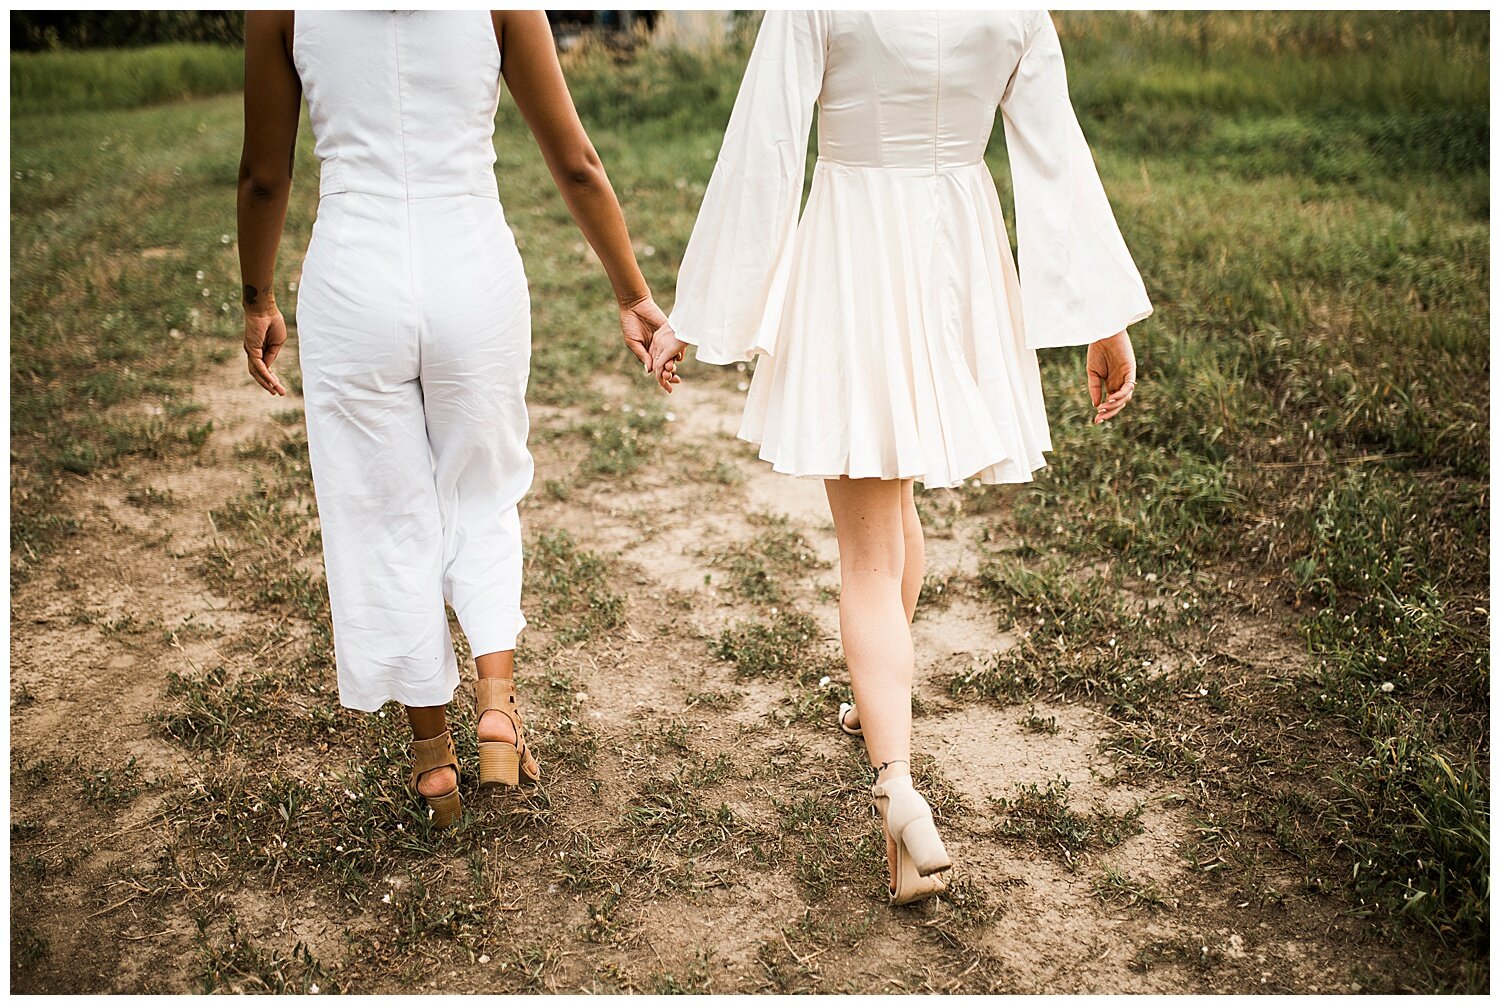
402, 103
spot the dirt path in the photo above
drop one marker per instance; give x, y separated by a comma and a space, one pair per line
716, 827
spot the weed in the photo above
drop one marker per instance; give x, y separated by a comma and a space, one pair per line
776, 648
113, 786
235, 964
577, 601
757, 567
1115, 887
1044, 816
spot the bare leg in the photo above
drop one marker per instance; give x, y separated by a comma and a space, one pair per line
425, 724
916, 551
912, 570
492, 725
868, 518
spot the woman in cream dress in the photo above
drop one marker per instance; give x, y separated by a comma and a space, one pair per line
896, 341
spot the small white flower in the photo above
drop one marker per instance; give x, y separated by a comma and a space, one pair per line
200, 275
312, 989
484, 959
386, 899
626, 409
206, 291
1387, 687
581, 696
743, 385
350, 793
338, 847
292, 286
224, 238
648, 251
671, 416
823, 681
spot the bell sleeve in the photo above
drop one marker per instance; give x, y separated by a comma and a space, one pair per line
1078, 282
733, 280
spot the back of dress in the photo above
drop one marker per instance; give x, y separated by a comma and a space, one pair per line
896, 339
913, 93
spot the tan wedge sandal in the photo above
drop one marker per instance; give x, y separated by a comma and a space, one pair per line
502, 763
844, 709
429, 755
920, 855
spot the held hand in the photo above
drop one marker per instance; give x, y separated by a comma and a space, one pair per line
265, 334
640, 320
666, 352
1111, 375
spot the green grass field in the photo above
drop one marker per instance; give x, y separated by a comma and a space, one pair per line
1307, 196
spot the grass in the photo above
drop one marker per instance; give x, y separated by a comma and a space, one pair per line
756, 568
48, 83
1307, 195
1045, 816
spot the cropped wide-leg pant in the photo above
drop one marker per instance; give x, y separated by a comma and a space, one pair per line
414, 334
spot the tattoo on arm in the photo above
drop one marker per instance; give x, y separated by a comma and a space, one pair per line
255, 296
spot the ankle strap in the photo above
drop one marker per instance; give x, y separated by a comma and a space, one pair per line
494, 692
433, 752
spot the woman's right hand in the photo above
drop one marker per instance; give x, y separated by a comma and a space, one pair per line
645, 329
265, 334
1111, 375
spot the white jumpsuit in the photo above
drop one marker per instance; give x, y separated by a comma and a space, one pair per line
896, 339
414, 332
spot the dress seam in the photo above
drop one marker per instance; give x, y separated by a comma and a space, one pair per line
937, 94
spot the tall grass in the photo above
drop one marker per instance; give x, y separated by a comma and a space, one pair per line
100, 79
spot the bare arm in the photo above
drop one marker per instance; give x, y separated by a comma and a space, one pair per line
273, 95
528, 60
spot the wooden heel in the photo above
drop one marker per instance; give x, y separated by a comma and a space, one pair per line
429, 755
503, 763
499, 764
446, 810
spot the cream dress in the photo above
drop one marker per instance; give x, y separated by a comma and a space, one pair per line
895, 338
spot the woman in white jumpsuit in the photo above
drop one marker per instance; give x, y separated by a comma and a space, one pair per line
896, 341
415, 338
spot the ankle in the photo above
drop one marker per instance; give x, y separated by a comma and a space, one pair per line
889, 771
